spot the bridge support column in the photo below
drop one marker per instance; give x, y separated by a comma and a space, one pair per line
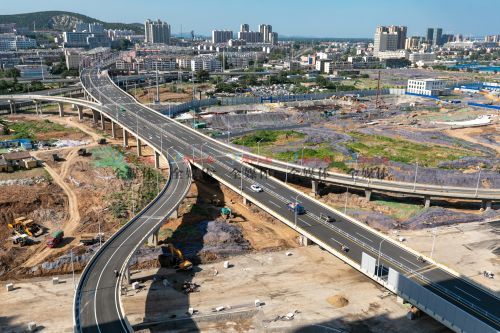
486, 204
79, 108
153, 239
126, 275
94, 116
368, 194
37, 104
103, 123
113, 129
246, 202
304, 241
61, 109
427, 201
139, 147
157, 160
314, 187
12, 106
125, 138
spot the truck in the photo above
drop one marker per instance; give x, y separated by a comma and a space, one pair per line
296, 208
55, 238
90, 239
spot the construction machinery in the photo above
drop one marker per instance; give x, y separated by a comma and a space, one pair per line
225, 212
22, 225
183, 264
55, 239
379, 103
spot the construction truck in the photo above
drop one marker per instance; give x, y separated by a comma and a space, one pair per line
90, 239
22, 239
55, 239
183, 264
31, 228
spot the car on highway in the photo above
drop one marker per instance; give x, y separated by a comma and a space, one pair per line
326, 218
256, 188
296, 208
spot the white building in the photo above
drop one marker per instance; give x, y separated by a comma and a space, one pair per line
399, 54
385, 40
209, 63
421, 57
10, 42
427, 87
157, 32
221, 36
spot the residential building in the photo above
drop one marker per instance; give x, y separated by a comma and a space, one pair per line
73, 58
250, 37
221, 36
434, 36
184, 62
264, 35
413, 43
17, 160
96, 28
33, 71
430, 35
152, 63
245, 27
265, 30
10, 42
427, 87
236, 42
209, 63
385, 40
157, 32
421, 58
401, 32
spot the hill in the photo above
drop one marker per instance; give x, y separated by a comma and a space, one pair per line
61, 21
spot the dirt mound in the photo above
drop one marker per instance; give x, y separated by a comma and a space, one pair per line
338, 301
375, 220
222, 239
438, 216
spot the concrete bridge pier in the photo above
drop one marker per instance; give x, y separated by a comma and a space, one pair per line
113, 129
157, 160
304, 241
153, 238
139, 147
486, 204
37, 105
103, 122
125, 138
427, 203
79, 108
61, 109
246, 202
368, 194
94, 116
314, 188
12, 105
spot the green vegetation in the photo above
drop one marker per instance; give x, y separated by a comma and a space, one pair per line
267, 137
324, 83
404, 151
109, 157
9, 87
11, 72
30, 129
322, 152
44, 21
400, 211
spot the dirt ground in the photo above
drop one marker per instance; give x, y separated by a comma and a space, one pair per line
320, 290
18, 307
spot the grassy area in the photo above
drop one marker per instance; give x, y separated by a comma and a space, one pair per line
30, 129
267, 137
322, 152
108, 157
404, 151
401, 211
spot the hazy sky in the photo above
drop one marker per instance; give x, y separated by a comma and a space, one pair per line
321, 18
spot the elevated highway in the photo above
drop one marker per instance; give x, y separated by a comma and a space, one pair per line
448, 297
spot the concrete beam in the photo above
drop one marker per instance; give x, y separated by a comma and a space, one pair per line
139, 147
427, 203
61, 109
368, 194
153, 238
157, 160
125, 138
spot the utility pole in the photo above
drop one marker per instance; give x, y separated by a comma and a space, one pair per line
157, 86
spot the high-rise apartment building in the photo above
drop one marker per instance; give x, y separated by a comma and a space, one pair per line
157, 32
385, 40
430, 35
245, 27
434, 36
265, 31
401, 32
221, 36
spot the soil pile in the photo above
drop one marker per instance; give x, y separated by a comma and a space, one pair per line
338, 301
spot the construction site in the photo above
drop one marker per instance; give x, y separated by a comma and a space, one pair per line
221, 265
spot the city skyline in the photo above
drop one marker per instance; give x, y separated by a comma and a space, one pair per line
322, 19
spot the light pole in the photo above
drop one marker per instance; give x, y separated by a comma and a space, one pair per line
295, 209
346, 195
99, 222
73, 269
415, 181
478, 180
378, 259
201, 153
302, 158
258, 146
433, 241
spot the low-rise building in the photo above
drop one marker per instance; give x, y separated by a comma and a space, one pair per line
209, 63
421, 57
427, 87
18, 160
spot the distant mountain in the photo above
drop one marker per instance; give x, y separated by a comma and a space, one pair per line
62, 21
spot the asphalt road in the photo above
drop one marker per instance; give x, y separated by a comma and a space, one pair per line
219, 160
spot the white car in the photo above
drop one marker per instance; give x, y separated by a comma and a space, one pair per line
256, 188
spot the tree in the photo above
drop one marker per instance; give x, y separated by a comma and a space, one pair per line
202, 75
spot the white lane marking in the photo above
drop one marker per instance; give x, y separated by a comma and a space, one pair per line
271, 186
336, 241
468, 293
301, 220
273, 203
409, 262
368, 239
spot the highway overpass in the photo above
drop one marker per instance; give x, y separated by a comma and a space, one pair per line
443, 294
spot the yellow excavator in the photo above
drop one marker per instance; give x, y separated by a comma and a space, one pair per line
24, 226
184, 264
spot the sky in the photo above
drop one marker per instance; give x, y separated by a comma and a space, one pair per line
316, 18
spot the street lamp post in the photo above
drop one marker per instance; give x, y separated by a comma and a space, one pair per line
302, 158
433, 241
415, 180
346, 195
258, 146
295, 209
478, 180
378, 259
